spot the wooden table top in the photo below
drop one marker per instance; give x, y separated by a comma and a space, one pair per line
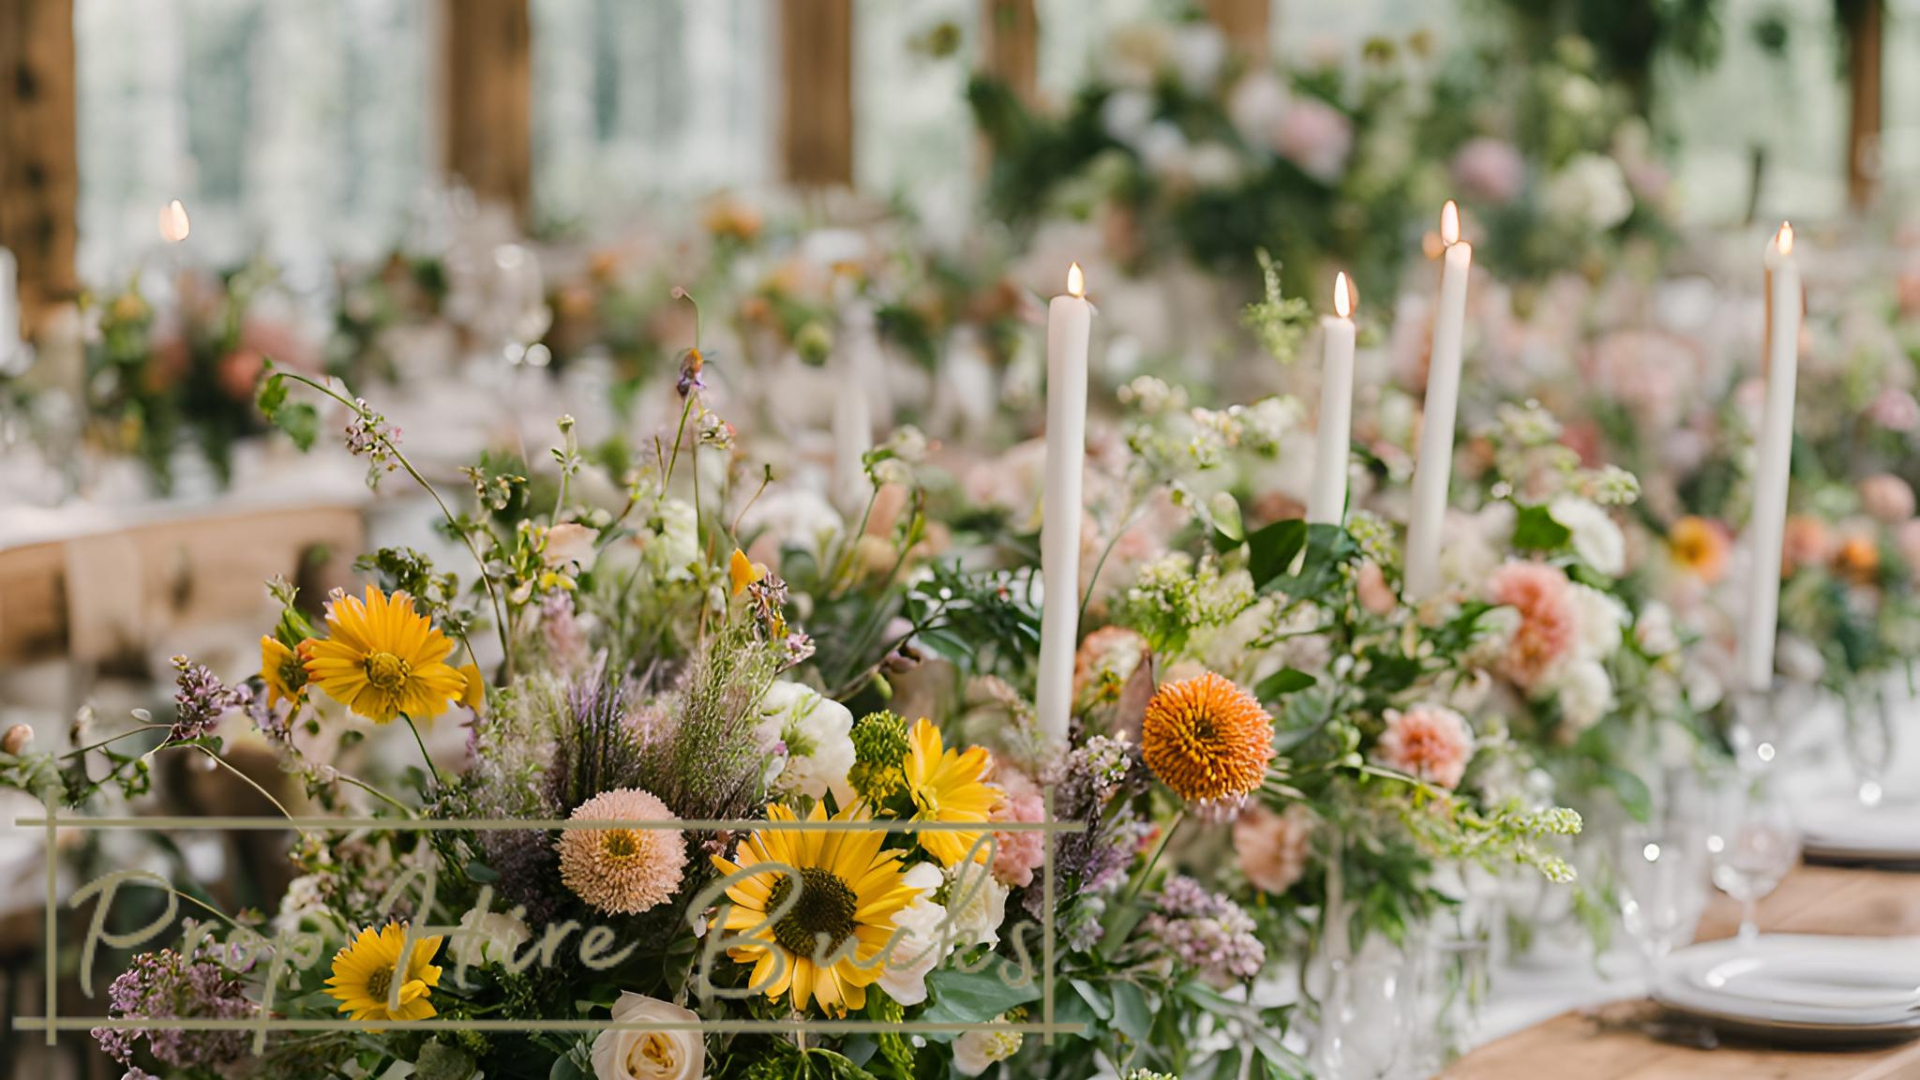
1608, 1044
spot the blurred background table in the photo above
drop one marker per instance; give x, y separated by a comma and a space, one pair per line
1607, 1043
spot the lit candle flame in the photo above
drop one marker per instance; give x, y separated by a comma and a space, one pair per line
173, 222
1342, 296
1784, 238
1076, 281
1450, 223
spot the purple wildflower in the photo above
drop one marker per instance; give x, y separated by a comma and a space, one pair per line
165, 985
1086, 783
1205, 932
200, 699
799, 648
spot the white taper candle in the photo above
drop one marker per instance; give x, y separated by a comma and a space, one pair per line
1069, 328
1433, 469
1766, 527
1327, 499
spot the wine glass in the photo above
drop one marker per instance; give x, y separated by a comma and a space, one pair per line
1869, 740
1368, 1015
1752, 843
1661, 879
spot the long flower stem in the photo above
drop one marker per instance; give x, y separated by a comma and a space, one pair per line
108, 742
375, 792
499, 613
422, 743
1158, 849
264, 793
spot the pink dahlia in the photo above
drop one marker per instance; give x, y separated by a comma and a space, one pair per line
1431, 742
1549, 619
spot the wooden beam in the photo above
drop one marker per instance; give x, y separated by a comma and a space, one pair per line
1866, 45
39, 177
487, 100
1010, 45
1246, 24
816, 109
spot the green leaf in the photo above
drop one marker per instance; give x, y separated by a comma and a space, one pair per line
1535, 530
1282, 682
1632, 791
974, 997
1101, 1005
1271, 551
1131, 1013
300, 421
1229, 531
273, 394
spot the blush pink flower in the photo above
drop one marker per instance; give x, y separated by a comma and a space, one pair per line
1375, 594
1018, 854
1549, 619
1273, 848
1431, 742
1489, 170
1907, 538
1886, 497
1895, 409
1315, 136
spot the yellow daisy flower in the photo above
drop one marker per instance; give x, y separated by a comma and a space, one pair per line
283, 670
947, 785
381, 659
850, 891
474, 696
363, 974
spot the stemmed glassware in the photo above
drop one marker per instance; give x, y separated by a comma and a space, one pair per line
1752, 842
1661, 878
1869, 740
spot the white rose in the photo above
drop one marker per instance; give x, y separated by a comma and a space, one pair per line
1199, 54
1592, 189
570, 542
1126, 114
1585, 693
1596, 539
1163, 150
1214, 165
817, 732
495, 937
1654, 630
1601, 619
975, 1051
920, 947
649, 1055
976, 905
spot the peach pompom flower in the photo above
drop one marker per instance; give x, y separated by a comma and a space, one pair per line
1549, 620
1208, 740
1431, 742
1273, 848
622, 871
1018, 854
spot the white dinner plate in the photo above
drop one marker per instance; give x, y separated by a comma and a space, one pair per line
1795, 984
1839, 826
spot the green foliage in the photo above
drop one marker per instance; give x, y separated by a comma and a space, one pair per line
1280, 322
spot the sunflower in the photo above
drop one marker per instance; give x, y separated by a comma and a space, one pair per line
850, 891
363, 975
283, 670
947, 785
1207, 739
381, 659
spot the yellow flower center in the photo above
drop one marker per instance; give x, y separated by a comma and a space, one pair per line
293, 674
379, 984
386, 671
624, 844
655, 1051
826, 905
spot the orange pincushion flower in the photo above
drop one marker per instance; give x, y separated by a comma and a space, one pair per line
1857, 559
1207, 739
1699, 546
